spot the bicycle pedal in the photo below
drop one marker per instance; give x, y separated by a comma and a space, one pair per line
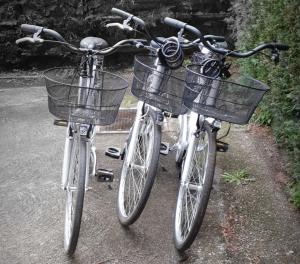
58, 122
113, 152
104, 175
222, 146
164, 148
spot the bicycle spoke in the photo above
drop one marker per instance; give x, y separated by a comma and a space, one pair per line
193, 186
74, 190
138, 168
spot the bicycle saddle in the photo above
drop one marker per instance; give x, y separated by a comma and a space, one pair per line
93, 43
153, 44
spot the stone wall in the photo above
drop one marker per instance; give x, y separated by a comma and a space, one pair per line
75, 19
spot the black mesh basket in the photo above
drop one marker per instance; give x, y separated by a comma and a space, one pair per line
233, 100
96, 103
157, 87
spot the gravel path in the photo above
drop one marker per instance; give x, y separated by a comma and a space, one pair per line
251, 223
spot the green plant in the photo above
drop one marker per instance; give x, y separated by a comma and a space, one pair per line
258, 21
295, 196
237, 176
186, 61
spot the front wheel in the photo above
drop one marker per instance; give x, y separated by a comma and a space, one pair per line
75, 190
196, 181
139, 167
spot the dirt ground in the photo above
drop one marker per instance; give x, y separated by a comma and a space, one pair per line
248, 223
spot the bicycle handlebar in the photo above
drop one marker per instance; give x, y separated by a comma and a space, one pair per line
30, 28
35, 29
174, 23
280, 46
238, 54
25, 39
137, 20
182, 25
205, 40
106, 51
128, 15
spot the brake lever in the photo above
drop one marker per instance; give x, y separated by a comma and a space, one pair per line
275, 56
114, 25
123, 26
36, 36
37, 39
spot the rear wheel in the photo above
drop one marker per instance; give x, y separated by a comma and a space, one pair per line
195, 186
139, 168
75, 191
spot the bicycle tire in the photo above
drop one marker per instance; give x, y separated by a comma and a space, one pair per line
183, 239
128, 218
72, 226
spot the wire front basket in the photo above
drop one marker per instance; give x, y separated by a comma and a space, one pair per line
158, 86
233, 100
75, 98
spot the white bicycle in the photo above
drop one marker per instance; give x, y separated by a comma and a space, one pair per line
81, 98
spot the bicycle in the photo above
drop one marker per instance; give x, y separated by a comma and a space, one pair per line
81, 98
212, 94
159, 86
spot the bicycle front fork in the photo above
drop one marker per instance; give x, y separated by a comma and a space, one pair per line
134, 132
87, 135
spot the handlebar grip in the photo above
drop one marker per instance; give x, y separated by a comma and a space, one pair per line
120, 12
125, 14
281, 46
174, 23
26, 39
33, 29
30, 28
182, 25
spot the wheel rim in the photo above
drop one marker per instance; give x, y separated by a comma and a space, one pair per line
134, 175
191, 189
71, 191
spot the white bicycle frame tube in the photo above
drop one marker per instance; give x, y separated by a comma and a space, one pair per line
87, 167
90, 148
157, 77
191, 143
182, 142
135, 131
66, 158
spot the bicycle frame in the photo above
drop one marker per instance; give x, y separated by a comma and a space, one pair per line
185, 123
188, 127
87, 131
